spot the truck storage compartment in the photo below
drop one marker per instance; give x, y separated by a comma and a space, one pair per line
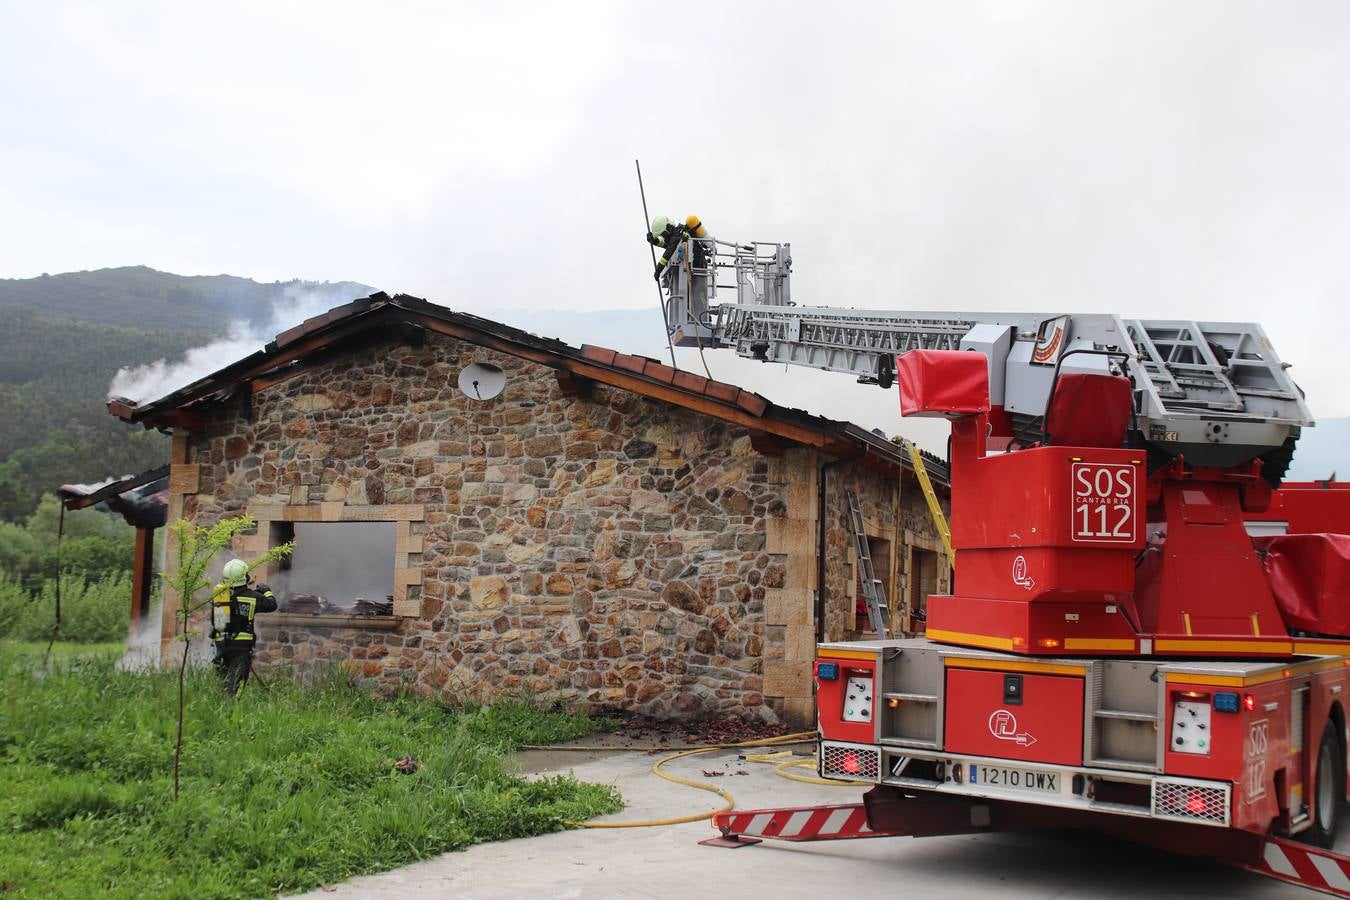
1015, 715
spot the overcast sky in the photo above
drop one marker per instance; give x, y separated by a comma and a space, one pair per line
1155, 159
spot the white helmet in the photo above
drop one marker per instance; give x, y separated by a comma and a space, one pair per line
235, 573
659, 225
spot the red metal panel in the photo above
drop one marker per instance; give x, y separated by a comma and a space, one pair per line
1046, 727
1310, 507
1233, 740
830, 702
1206, 579
1020, 626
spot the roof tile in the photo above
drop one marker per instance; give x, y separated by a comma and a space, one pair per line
629, 362
603, 355
754, 404
658, 372
721, 391
689, 381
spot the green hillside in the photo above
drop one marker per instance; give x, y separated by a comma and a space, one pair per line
149, 300
63, 338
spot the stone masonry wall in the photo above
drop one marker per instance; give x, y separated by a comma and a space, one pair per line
608, 551
894, 510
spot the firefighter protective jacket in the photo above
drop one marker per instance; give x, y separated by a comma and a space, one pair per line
233, 609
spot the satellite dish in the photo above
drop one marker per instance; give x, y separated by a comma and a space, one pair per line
482, 381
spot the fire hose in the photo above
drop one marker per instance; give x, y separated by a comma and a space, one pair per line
788, 761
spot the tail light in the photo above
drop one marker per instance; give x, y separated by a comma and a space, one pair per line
850, 763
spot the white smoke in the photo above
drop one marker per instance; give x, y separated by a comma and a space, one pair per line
150, 382
340, 562
87, 489
143, 641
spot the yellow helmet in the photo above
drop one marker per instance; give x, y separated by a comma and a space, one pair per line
659, 225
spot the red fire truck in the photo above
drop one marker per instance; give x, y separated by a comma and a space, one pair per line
1148, 634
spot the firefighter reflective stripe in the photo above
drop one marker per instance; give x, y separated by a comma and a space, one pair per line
811, 823
1303, 864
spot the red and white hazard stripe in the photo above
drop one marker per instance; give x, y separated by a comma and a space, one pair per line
1301, 864
807, 823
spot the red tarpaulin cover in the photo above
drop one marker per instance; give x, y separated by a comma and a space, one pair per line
1309, 575
943, 382
1089, 410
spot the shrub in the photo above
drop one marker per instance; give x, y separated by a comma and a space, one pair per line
91, 610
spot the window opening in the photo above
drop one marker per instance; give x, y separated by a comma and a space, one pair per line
338, 568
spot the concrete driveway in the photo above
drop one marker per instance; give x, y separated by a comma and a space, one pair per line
668, 862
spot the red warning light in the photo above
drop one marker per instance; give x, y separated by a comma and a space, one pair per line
1248, 702
1195, 803
850, 763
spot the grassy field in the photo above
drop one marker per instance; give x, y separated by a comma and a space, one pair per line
283, 789
33, 651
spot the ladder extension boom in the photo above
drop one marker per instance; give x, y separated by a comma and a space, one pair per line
1215, 392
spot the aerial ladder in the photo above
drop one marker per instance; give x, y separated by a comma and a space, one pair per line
1136, 643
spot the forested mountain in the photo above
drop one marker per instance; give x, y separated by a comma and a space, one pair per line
63, 338
143, 298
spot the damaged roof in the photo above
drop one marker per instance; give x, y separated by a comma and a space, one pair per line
142, 500
409, 319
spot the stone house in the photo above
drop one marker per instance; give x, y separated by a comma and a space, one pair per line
571, 523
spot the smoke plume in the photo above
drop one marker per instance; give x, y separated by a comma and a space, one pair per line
340, 561
150, 382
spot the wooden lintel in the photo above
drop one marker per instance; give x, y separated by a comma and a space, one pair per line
574, 385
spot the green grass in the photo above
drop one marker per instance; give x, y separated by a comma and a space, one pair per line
62, 650
282, 789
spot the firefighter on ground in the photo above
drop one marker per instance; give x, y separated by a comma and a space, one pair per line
233, 607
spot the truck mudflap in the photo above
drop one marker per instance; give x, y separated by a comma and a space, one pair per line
923, 816
1304, 865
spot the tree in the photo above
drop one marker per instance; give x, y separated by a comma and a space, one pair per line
196, 547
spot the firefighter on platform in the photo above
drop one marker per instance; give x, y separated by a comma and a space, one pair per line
233, 607
672, 236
